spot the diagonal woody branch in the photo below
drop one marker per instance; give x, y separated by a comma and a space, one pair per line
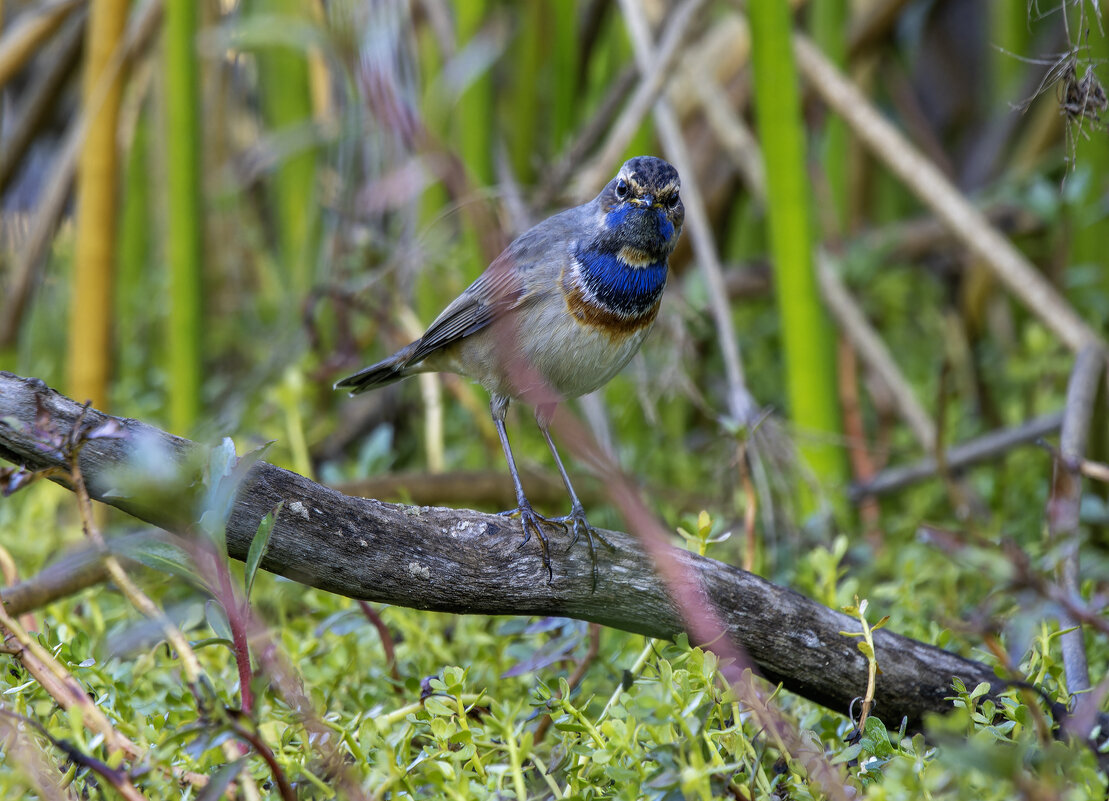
966, 222
466, 562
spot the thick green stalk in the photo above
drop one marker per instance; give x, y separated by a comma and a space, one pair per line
563, 71
474, 133
184, 227
527, 78
1010, 34
807, 335
286, 95
137, 282
828, 21
434, 197
475, 106
91, 312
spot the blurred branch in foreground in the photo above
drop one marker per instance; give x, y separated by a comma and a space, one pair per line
469, 562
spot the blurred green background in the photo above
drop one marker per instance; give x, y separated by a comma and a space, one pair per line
211, 211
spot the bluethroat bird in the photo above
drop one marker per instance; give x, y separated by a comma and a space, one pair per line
556, 315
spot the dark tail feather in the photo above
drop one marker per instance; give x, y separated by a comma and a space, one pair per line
379, 375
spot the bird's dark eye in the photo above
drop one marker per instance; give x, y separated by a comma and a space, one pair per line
622, 189
673, 201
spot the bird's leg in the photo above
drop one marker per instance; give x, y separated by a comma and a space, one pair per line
529, 520
576, 519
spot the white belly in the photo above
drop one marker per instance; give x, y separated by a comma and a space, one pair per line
544, 349
575, 359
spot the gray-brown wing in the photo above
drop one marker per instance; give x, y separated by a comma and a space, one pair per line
495, 291
527, 268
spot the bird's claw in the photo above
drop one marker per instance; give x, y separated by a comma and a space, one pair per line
576, 522
530, 520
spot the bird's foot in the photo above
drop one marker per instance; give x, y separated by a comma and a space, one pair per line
576, 522
530, 521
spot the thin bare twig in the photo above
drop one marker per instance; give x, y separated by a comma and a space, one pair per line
741, 405
575, 678
932, 187
263, 750
387, 645
960, 456
1066, 497
862, 336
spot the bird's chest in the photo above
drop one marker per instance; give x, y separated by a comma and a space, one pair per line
605, 308
575, 358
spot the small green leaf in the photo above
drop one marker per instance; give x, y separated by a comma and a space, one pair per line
876, 739
980, 690
847, 754
258, 547
867, 649
217, 620
225, 474
704, 524
438, 706
570, 726
160, 554
885, 619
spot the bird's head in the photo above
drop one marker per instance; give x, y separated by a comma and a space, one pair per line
642, 206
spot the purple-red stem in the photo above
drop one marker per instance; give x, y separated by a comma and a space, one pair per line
386, 641
264, 751
237, 621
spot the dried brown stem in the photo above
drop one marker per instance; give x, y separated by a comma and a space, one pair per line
852, 322
29, 31
39, 97
922, 177
386, 641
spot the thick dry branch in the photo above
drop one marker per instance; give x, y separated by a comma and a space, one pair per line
456, 560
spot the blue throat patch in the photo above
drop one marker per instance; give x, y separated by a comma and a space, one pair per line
620, 287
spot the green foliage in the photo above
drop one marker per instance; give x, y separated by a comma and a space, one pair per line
663, 725
259, 545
